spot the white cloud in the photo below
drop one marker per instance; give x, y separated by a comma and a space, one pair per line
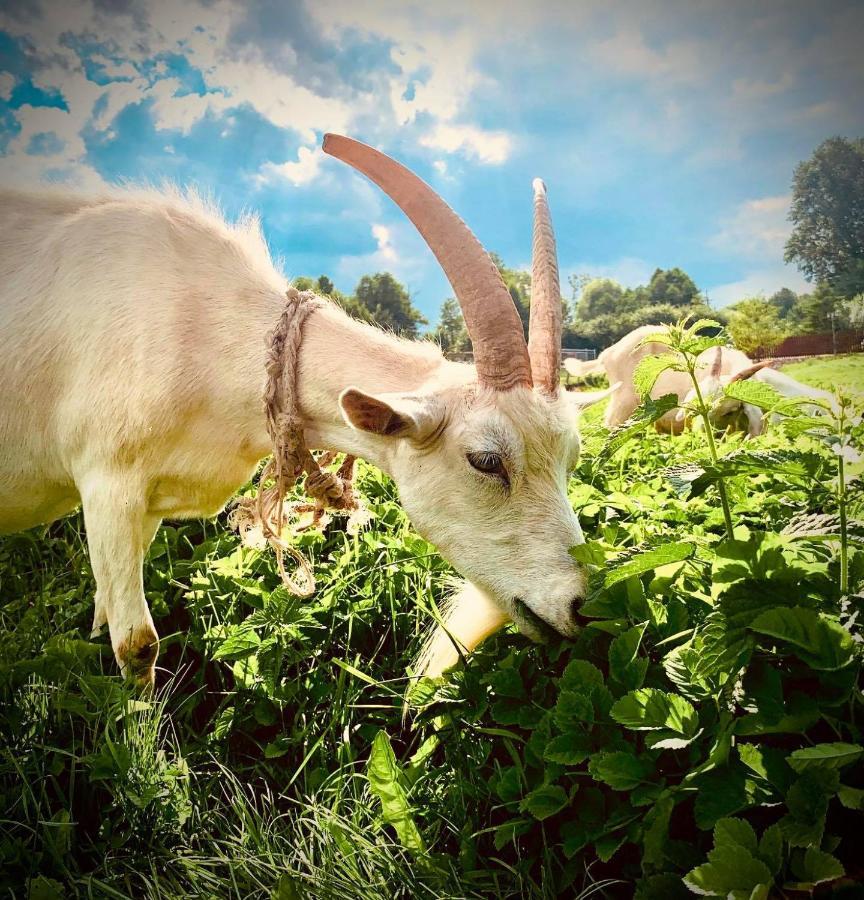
302, 171
485, 146
383, 237
627, 53
7, 83
760, 282
758, 228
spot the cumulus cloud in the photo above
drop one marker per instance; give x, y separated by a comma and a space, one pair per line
383, 238
485, 146
301, 171
758, 228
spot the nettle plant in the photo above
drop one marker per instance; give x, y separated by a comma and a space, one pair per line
702, 734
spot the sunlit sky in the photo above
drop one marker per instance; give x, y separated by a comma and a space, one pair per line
667, 132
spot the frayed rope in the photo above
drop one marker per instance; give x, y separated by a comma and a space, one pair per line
265, 517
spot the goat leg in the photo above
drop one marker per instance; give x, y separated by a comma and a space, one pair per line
118, 532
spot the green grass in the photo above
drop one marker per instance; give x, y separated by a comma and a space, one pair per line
528, 775
830, 373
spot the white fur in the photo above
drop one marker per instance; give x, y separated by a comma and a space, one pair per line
134, 329
620, 361
726, 408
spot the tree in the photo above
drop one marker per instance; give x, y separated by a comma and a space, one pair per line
823, 310
388, 304
785, 300
755, 324
450, 332
324, 287
600, 297
827, 241
673, 287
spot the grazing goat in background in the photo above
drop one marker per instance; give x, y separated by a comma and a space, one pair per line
620, 360
726, 410
134, 331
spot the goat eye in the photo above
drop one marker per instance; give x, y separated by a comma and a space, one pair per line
489, 464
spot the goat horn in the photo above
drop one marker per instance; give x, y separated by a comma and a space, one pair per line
750, 371
544, 332
500, 352
717, 364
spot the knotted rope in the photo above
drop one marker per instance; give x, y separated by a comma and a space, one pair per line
291, 456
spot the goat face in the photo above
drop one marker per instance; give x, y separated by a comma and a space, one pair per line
483, 475
481, 461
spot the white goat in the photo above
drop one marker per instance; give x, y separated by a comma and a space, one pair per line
726, 410
620, 360
134, 329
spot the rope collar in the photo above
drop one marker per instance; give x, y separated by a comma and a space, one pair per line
291, 456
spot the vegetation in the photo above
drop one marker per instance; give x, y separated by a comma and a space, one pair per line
378, 298
827, 242
755, 323
702, 735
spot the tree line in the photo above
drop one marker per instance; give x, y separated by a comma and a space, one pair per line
827, 244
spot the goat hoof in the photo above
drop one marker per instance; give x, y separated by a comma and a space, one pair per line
138, 658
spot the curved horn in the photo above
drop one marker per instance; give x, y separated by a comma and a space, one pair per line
544, 332
500, 352
750, 371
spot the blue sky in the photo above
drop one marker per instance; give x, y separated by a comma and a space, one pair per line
667, 132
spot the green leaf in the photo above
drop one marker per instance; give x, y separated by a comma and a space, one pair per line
728, 869
620, 770
723, 791
771, 848
609, 844
573, 709
814, 867
383, 773
646, 414
832, 756
625, 665
850, 797
569, 749
655, 840
649, 708
649, 560
767, 762
819, 641
807, 802
581, 676
544, 801
241, 641
756, 393
650, 368
735, 832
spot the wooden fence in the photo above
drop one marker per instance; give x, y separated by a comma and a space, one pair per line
815, 345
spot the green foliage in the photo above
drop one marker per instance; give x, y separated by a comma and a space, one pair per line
701, 733
827, 240
606, 311
755, 324
388, 304
450, 332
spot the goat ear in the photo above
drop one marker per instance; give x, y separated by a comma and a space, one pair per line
750, 371
391, 415
584, 399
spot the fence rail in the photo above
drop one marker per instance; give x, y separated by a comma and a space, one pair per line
815, 345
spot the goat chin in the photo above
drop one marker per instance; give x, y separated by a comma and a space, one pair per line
470, 616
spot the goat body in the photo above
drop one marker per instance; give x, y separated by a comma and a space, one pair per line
134, 328
620, 361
